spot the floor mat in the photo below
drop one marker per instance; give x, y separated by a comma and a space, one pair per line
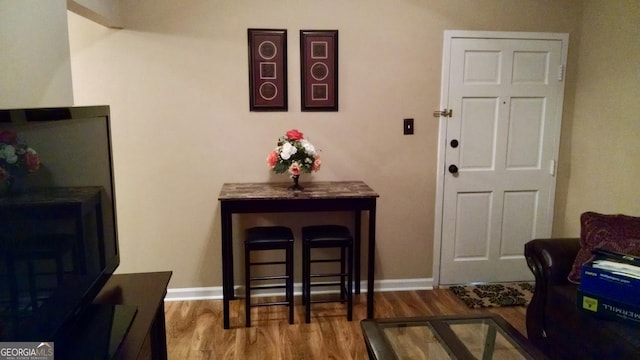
494, 295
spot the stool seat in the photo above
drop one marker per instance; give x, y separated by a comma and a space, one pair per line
34, 253
268, 235
264, 238
328, 236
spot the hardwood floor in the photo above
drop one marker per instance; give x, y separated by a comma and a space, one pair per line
194, 328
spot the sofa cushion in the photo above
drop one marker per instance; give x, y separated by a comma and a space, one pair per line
618, 233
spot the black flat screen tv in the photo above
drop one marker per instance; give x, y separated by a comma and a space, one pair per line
58, 228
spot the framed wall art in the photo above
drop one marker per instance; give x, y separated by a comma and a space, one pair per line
267, 70
319, 70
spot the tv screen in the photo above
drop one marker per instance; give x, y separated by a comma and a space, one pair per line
58, 232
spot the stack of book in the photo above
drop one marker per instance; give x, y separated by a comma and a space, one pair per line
610, 287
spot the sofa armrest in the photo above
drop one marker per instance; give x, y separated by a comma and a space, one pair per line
550, 260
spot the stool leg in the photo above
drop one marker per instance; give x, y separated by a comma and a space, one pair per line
289, 271
343, 268
304, 274
247, 285
350, 283
60, 269
307, 282
13, 290
32, 286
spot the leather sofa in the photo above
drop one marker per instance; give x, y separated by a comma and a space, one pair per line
554, 322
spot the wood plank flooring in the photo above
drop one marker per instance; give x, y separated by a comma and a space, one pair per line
194, 328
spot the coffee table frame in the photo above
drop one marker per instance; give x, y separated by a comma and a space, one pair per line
379, 347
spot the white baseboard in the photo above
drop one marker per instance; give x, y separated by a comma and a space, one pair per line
215, 292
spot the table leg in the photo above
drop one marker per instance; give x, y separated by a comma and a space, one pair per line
100, 222
489, 344
158, 335
80, 241
371, 259
227, 263
357, 249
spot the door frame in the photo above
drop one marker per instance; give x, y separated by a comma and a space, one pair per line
449, 35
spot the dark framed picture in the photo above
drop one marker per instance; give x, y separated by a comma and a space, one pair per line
319, 70
267, 70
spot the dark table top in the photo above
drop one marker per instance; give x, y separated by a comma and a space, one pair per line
52, 196
312, 190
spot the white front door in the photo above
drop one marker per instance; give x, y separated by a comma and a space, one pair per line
498, 152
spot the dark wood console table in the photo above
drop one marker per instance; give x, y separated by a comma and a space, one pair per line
245, 198
73, 203
146, 338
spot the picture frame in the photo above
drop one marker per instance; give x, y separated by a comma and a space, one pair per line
319, 70
267, 69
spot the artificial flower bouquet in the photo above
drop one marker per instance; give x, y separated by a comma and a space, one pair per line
16, 157
294, 154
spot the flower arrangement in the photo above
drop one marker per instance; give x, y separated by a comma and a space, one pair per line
16, 157
294, 154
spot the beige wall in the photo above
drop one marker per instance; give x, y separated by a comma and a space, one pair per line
34, 54
176, 79
602, 152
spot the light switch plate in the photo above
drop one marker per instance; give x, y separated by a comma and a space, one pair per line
408, 126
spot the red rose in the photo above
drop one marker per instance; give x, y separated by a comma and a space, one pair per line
272, 159
8, 137
31, 161
316, 164
294, 135
294, 169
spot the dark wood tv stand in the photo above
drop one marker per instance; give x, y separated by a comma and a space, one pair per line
146, 338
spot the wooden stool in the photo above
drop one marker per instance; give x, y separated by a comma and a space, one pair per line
327, 236
32, 251
23, 261
262, 239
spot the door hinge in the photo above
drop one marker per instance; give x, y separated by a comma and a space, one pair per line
443, 113
561, 72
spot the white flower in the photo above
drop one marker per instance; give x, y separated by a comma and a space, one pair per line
287, 151
8, 153
308, 147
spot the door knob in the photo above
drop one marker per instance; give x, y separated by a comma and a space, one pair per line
453, 169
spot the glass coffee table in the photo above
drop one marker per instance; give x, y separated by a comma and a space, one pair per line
479, 336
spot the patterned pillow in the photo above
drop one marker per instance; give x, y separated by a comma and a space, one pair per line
619, 233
